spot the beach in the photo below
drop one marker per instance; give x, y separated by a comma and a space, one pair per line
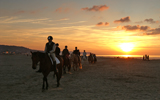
108, 79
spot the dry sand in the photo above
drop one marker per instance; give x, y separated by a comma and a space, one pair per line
108, 79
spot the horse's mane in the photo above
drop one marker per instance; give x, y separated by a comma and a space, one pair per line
39, 54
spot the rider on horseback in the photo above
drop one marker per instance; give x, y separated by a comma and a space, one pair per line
76, 52
50, 50
84, 54
65, 53
57, 51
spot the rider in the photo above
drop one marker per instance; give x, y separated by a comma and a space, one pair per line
65, 52
95, 59
50, 50
84, 54
76, 51
57, 51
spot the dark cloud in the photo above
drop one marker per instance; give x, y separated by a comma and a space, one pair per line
102, 24
134, 28
122, 20
151, 21
96, 8
155, 31
106, 23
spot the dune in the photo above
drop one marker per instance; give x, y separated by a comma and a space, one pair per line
108, 79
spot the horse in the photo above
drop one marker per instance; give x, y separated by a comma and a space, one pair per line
45, 66
76, 62
92, 58
84, 58
67, 63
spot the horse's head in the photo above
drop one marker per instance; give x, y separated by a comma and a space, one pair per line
35, 59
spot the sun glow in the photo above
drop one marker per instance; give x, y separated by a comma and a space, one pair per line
126, 47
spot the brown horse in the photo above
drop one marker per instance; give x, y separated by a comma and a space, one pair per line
92, 58
75, 62
45, 66
67, 63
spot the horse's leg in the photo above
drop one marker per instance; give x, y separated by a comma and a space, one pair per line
69, 65
77, 67
55, 71
69, 68
43, 84
60, 68
74, 67
57, 78
64, 69
54, 75
46, 83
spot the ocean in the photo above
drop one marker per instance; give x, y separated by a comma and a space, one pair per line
151, 57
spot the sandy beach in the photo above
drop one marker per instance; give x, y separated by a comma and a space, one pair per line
108, 79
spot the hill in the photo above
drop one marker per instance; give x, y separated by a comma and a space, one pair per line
6, 49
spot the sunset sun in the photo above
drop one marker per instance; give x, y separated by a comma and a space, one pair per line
126, 47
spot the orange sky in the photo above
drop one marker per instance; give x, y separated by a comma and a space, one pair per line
99, 26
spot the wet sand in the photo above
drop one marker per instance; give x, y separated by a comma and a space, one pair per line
108, 79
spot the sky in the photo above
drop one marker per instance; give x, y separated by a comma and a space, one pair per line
97, 26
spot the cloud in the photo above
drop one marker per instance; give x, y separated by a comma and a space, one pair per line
63, 19
102, 24
78, 22
62, 10
96, 8
155, 31
134, 28
9, 20
140, 22
20, 12
30, 12
122, 20
151, 21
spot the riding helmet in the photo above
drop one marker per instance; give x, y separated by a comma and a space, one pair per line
50, 38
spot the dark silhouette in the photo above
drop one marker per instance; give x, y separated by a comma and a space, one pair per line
57, 51
146, 57
76, 51
46, 67
67, 62
92, 58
